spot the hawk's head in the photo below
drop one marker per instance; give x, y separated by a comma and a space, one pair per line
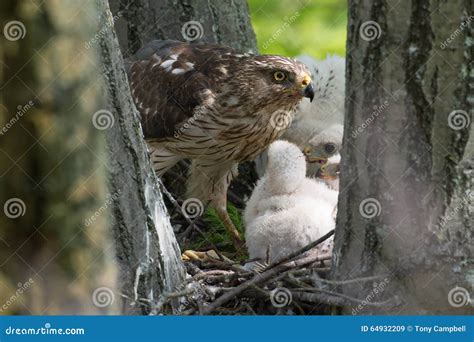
275, 79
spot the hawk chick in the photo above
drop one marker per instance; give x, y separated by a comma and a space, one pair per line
322, 146
287, 211
215, 106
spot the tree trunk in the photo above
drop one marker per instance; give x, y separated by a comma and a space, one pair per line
405, 207
225, 22
53, 243
147, 251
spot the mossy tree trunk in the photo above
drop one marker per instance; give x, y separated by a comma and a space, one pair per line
405, 208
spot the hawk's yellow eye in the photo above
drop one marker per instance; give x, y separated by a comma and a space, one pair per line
279, 76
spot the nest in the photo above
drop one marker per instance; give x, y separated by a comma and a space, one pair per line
217, 285
297, 285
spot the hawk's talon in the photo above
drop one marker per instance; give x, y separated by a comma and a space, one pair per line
203, 256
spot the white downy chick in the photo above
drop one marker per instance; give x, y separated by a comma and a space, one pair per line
287, 210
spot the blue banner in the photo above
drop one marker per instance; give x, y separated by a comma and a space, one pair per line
237, 328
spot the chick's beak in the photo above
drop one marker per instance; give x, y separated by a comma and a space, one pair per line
319, 160
313, 159
328, 172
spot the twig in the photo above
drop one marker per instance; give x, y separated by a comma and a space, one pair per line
297, 281
301, 251
257, 279
166, 297
239, 289
318, 298
350, 281
249, 308
341, 295
192, 269
308, 260
177, 294
204, 274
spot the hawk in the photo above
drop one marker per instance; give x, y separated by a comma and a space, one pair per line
215, 106
318, 127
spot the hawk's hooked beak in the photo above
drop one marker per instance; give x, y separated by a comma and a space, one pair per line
308, 89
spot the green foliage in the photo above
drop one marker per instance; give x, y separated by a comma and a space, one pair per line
215, 231
294, 27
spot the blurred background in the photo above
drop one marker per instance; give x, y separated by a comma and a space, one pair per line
291, 27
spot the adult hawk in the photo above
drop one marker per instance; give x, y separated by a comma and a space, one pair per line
215, 106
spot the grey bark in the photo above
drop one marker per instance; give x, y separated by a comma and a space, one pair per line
225, 22
407, 157
147, 251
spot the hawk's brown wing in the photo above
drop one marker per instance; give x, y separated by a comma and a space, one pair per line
168, 79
